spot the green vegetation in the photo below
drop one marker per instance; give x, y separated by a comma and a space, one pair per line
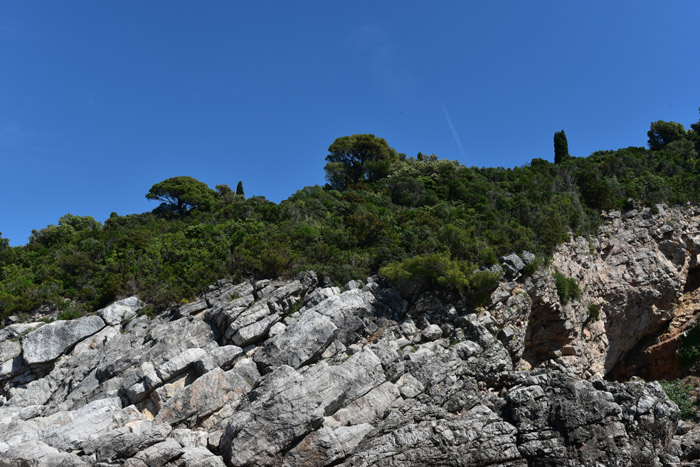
567, 288
561, 147
438, 270
422, 219
180, 194
689, 350
682, 394
358, 158
593, 311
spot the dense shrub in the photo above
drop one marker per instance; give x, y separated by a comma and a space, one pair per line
424, 217
682, 394
567, 288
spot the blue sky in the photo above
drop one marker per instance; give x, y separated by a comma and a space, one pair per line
100, 100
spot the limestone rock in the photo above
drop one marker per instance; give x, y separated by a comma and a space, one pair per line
50, 341
123, 310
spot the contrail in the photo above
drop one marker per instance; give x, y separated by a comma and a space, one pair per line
452, 129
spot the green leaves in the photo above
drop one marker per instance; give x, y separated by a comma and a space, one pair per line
567, 288
662, 133
438, 270
180, 194
561, 147
358, 158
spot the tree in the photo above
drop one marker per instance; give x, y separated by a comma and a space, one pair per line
694, 134
358, 158
4, 242
661, 133
239, 189
561, 147
181, 194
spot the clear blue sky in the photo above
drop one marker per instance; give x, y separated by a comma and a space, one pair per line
100, 100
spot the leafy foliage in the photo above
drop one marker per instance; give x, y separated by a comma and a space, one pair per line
662, 133
180, 194
438, 270
358, 158
567, 288
561, 147
422, 218
689, 351
682, 394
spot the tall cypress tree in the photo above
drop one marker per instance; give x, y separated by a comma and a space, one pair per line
239, 189
561, 147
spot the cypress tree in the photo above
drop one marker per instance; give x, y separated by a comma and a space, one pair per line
239, 189
561, 147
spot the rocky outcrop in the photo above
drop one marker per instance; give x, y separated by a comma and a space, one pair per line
292, 373
296, 373
638, 280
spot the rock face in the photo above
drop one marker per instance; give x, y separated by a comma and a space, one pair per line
292, 373
632, 276
48, 342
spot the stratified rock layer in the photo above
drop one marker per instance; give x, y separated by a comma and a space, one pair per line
291, 373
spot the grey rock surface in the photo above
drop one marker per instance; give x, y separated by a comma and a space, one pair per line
50, 341
295, 372
121, 311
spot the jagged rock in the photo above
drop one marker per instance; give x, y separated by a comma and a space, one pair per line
193, 308
190, 438
326, 445
477, 437
209, 393
123, 310
560, 418
431, 332
254, 332
201, 457
288, 405
37, 454
512, 264
299, 343
161, 453
50, 341
221, 357
348, 379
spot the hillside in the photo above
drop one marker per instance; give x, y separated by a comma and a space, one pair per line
411, 312
380, 208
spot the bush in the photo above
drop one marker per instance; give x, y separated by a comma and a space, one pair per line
593, 311
689, 350
681, 394
567, 288
438, 270
70, 314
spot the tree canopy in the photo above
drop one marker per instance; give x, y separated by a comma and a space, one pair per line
425, 219
180, 194
358, 158
662, 133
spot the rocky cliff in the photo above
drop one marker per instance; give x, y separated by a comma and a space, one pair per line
300, 373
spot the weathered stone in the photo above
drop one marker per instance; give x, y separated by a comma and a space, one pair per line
207, 394
221, 357
123, 310
201, 457
431, 332
160, 453
299, 343
50, 341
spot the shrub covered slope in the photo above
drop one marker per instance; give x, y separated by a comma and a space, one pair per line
420, 217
